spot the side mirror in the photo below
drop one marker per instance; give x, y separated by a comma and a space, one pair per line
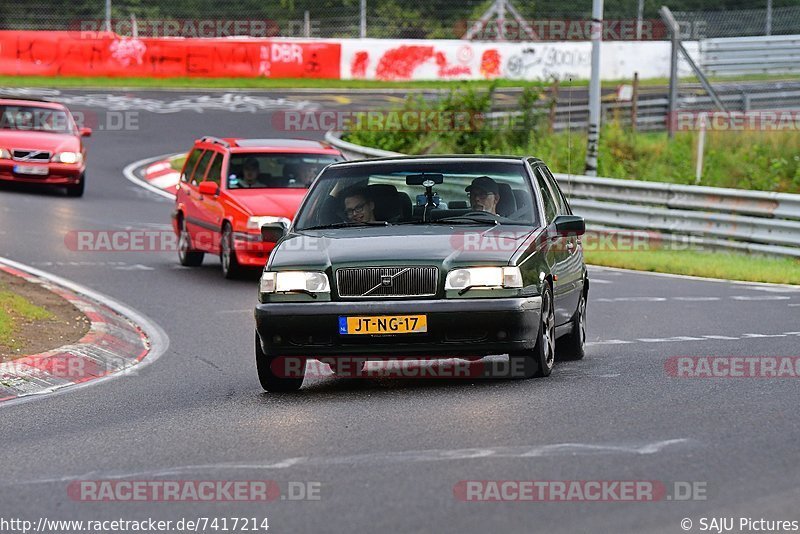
208, 188
569, 225
273, 232
85, 132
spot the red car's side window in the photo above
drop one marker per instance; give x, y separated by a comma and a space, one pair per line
191, 163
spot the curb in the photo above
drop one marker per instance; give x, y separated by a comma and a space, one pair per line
161, 174
118, 340
130, 172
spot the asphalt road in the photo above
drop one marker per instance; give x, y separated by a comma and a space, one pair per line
389, 452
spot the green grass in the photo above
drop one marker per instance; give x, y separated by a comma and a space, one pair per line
307, 83
766, 161
237, 83
14, 308
176, 162
721, 265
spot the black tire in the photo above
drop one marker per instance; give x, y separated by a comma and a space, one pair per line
231, 269
76, 190
271, 381
187, 256
539, 361
573, 345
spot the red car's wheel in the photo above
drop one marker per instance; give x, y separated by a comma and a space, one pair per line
227, 255
187, 256
76, 190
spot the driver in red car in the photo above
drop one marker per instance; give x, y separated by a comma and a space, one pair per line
250, 174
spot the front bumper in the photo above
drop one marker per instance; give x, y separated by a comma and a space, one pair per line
57, 173
456, 327
251, 250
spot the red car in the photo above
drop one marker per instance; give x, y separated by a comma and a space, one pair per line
40, 143
229, 187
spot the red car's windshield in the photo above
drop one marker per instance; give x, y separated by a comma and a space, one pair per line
271, 170
32, 118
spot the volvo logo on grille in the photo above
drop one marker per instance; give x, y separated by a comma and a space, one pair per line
22, 154
386, 280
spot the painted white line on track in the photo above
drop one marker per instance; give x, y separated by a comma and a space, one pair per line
397, 457
754, 298
760, 297
701, 337
631, 299
159, 341
775, 289
608, 270
131, 176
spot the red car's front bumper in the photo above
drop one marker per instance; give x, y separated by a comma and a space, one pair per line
251, 251
57, 173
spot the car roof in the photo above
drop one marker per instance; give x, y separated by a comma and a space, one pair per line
21, 101
444, 157
243, 145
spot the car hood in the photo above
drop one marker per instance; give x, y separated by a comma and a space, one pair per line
277, 202
444, 246
52, 142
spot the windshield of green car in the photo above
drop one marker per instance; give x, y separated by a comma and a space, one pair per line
474, 192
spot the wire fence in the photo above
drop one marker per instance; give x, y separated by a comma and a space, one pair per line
410, 19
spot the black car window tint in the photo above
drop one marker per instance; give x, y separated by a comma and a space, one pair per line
550, 209
561, 200
191, 163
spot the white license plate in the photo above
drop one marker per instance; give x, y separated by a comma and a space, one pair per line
31, 169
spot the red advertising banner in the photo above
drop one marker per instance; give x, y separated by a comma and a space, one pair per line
76, 53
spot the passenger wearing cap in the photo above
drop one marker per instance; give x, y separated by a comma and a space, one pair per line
484, 194
250, 173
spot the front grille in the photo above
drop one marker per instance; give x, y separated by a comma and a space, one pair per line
375, 282
21, 154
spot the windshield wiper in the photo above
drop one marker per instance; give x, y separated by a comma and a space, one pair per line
347, 224
467, 219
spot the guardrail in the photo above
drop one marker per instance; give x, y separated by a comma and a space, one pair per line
734, 219
653, 110
777, 54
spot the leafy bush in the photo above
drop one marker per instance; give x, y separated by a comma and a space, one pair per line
768, 161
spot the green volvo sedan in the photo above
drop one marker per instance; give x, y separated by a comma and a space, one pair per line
420, 257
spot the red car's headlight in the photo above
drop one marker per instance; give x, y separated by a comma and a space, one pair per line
67, 157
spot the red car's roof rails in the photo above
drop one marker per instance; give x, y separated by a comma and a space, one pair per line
215, 140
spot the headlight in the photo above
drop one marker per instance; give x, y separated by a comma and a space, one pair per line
5, 153
67, 157
483, 277
294, 281
254, 223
